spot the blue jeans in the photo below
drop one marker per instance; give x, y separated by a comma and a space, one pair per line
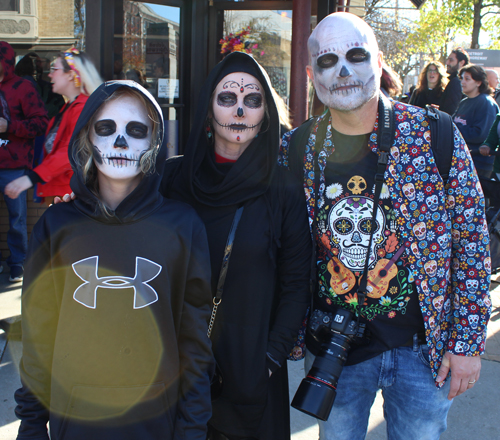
17, 237
413, 407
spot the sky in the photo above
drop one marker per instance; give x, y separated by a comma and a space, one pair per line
169, 12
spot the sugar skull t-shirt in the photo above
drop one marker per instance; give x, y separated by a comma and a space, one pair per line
343, 227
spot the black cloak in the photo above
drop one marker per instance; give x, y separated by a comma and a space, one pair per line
267, 285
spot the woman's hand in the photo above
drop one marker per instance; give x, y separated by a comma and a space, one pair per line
484, 150
65, 198
17, 186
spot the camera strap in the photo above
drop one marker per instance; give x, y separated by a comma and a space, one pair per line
223, 270
385, 139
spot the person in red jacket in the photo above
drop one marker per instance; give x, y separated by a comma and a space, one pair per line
22, 118
74, 76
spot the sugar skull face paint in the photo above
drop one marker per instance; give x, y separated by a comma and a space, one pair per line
345, 62
238, 109
121, 134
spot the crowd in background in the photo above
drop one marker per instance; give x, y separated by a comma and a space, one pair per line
465, 91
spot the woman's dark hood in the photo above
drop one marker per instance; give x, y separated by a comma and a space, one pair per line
251, 175
145, 198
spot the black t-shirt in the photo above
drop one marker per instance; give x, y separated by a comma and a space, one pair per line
344, 221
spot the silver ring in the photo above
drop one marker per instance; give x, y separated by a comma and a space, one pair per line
471, 383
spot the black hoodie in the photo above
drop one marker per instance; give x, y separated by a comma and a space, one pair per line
267, 285
115, 315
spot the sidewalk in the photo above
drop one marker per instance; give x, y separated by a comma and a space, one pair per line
474, 415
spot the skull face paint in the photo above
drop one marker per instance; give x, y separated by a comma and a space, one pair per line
121, 133
345, 62
238, 109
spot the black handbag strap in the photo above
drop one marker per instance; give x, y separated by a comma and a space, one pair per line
223, 270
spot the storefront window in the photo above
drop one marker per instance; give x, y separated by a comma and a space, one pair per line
149, 54
267, 35
9, 5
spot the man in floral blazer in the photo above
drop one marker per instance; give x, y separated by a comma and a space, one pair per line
427, 303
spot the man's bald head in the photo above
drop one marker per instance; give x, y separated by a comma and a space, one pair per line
340, 30
492, 78
345, 61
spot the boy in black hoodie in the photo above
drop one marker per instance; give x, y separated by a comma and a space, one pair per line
117, 295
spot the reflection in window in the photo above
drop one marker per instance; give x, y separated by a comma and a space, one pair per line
267, 35
147, 51
80, 13
9, 5
151, 48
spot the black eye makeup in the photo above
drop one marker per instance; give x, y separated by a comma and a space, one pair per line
105, 127
253, 100
227, 99
358, 55
137, 130
328, 60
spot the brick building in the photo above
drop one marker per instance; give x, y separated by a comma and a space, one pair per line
43, 26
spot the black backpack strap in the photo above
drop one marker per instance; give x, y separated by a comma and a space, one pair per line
301, 135
442, 139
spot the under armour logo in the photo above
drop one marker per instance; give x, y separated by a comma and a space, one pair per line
145, 271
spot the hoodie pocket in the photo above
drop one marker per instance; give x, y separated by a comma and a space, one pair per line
117, 412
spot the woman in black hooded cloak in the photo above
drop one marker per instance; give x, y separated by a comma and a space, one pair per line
231, 161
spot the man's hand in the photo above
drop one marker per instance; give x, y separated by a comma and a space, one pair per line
464, 372
484, 150
3, 125
17, 186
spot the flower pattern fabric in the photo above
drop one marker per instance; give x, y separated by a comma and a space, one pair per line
443, 226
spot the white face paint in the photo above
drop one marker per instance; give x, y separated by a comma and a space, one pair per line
121, 133
345, 62
238, 109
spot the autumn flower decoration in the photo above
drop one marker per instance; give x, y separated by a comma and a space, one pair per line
241, 41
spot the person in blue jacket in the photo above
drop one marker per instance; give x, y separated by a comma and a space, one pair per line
475, 115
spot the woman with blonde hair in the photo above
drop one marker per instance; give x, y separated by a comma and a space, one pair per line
74, 76
431, 84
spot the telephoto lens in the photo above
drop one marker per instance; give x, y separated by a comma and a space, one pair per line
316, 393
337, 331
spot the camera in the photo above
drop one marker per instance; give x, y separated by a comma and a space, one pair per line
336, 331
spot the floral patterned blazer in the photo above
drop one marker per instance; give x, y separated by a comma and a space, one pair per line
443, 225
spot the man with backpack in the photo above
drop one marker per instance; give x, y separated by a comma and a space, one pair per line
402, 248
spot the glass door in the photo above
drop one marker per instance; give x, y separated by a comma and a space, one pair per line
265, 33
148, 52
